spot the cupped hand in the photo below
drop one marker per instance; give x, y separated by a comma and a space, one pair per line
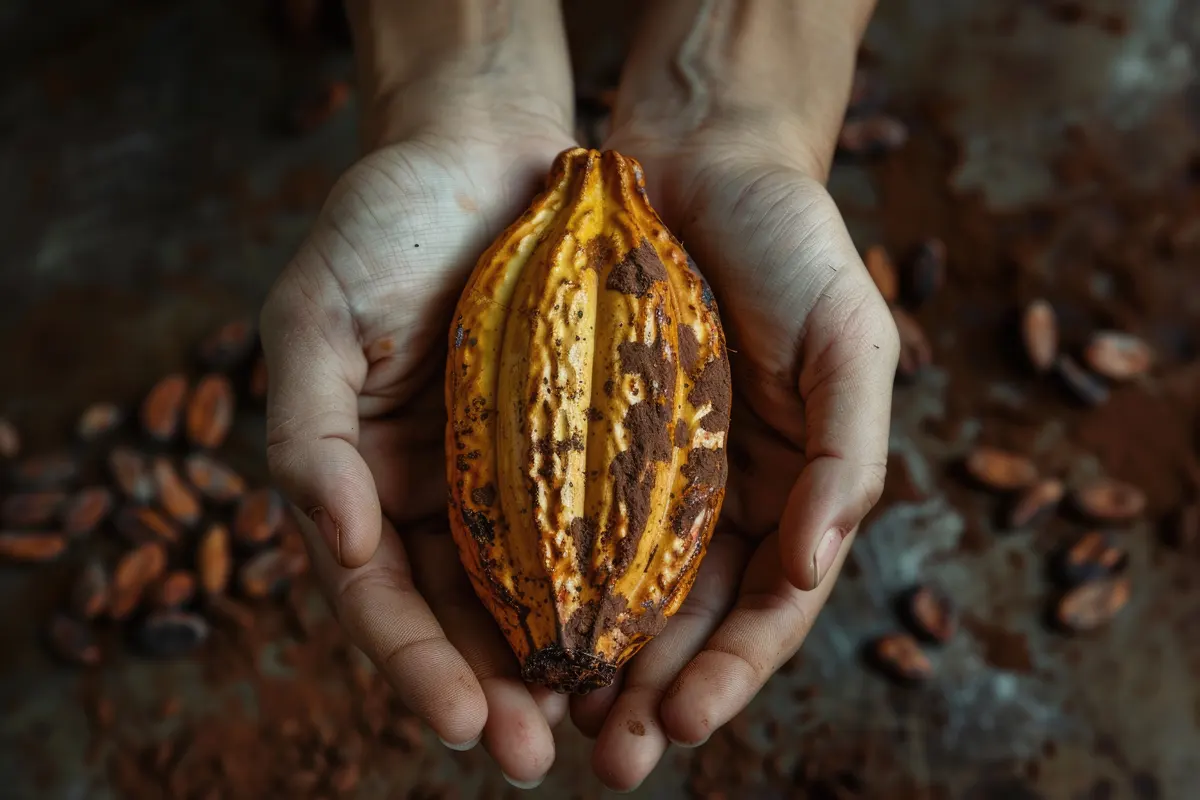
355, 333
813, 352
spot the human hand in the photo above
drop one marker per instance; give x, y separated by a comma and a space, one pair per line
813, 352
354, 333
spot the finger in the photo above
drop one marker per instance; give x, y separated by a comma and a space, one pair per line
517, 733
850, 352
588, 711
765, 628
387, 618
406, 456
317, 368
553, 704
632, 740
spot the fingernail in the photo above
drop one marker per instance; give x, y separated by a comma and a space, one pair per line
331, 532
827, 551
523, 784
463, 746
689, 745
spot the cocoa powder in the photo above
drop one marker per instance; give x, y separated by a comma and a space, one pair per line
637, 272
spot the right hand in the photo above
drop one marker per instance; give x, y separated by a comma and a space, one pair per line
355, 335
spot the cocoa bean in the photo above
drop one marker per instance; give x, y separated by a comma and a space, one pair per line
131, 472
10, 440
139, 525
1093, 604
1036, 503
926, 272
137, 570
73, 641
210, 412
883, 271
89, 593
1111, 501
176, 496
50, 471
228, 346
258, 517
872, 135
98, 420
30, 547
32, 509
215, 480
176, 589
931, 614
86, 510
1039, 331
1000, 470
1118, 356
899, 655
270, 572
1083, 384
163, 407
171, 634
213, 560
916, 354
1092, 556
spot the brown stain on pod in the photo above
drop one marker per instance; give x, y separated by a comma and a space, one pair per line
900, 657
1000, 470
1094, 604
258, 517
931, 614
98, 420
134, 574
1118, 356
176, 497
210, 412
86, 510
32, 509
131, 472
882, 270
90, 591
214, 561
1036, 503
10, 439
1107, 500
588, 397
73, 640
229, 345
916, 354
214, 479
163, 407
31, 547
1039, 333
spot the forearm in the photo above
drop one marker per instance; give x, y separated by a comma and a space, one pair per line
781, 65
424, 64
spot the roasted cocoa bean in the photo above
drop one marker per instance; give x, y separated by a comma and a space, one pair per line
1118, 356
1000, 470
931, 614
50, 471
132, 474
1092, 556
30, 547
89, 592
270, 572
916, 354
10, 440
73, 641
882, 270
137, 571
872, 135
926, 272
86, 510
258, 517
171, 634
32, 509
1039, 331
210, 412
228, 346
215, 480
163, 407
140, 524
1109, 501
1093, 604
213, 560
177, 497
176, 589
899, 655
98, 420
1084, 385
1036, 503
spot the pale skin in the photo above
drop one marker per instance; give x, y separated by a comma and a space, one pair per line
733, 107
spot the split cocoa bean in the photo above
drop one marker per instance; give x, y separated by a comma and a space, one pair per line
1094, 604
98, 420
214, 562
210, 412
1093, 556
1000, 470
258, 517
213, 479
163, 407
31, 547
176, 496
176, 589
1039, 331
1118, 356
32, 509
900, 657
1036, 503
135, 573
86, 510
1110, 501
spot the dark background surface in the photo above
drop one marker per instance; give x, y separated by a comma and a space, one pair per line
149, 195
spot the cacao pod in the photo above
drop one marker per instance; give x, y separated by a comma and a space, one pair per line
588, 396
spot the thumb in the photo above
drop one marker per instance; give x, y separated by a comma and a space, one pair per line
317, 368
848, 363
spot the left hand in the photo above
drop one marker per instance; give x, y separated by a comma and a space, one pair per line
813, 351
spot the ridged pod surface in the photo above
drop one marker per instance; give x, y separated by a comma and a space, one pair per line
588, 395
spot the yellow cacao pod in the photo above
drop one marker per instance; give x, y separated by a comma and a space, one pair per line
588, 396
